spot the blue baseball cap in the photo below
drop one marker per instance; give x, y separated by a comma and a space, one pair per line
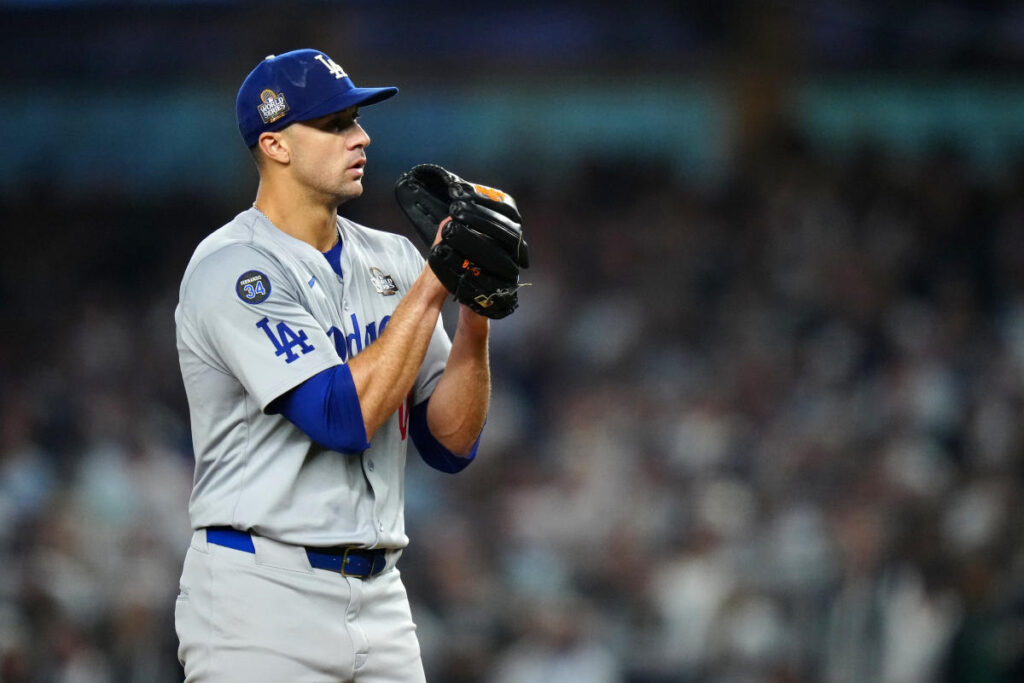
297, 86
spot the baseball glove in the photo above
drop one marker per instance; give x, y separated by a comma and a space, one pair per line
481, 248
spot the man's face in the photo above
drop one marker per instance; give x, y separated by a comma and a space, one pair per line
328, 154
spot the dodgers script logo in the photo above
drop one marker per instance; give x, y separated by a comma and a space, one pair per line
274, 106
348, 345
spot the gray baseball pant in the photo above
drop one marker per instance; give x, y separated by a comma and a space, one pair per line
270, 617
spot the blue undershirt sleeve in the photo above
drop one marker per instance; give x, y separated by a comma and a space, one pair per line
326, 407
430, 449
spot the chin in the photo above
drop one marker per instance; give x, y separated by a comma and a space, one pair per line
349, 191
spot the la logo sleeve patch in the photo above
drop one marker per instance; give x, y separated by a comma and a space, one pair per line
253, 287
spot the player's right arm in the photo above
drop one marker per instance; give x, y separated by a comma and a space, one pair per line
343, 407
384, 372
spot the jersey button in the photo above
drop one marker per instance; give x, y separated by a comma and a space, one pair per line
346, 305
369, 465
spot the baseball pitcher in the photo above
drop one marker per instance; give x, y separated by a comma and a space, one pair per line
312, 351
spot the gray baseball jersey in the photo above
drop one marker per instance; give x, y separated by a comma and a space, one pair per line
260, 312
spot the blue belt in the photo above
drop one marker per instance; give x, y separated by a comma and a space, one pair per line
358, 562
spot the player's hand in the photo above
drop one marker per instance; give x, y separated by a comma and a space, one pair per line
481, 247
440, 229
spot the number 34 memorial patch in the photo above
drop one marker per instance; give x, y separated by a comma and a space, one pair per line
253, 287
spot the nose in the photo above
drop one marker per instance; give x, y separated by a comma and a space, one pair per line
360, 138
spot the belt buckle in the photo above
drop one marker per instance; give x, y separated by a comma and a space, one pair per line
372, 557
344, 563
370, 560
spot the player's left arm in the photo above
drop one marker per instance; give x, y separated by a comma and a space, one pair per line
456, 411
477, 254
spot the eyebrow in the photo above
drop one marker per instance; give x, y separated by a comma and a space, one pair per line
342, 115
329, 120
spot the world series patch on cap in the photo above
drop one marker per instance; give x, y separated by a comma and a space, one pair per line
297, 86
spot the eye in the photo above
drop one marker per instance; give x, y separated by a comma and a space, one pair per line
343, 122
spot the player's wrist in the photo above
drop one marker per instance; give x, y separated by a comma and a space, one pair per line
433, 288
472, 322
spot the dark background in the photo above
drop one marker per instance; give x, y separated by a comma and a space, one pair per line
758, 419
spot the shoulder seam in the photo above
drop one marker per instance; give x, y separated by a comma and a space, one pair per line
238, 243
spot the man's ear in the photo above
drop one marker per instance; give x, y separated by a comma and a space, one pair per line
274, 147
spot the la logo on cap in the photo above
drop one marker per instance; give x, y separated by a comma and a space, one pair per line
331, 65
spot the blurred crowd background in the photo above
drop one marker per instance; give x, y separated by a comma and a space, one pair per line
758, 419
